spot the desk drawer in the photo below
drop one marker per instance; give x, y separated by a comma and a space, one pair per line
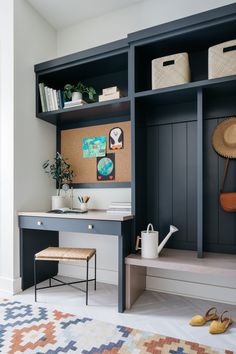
71, 225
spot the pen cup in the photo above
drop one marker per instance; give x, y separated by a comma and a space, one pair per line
84, 206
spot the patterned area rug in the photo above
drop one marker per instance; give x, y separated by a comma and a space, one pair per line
35, 329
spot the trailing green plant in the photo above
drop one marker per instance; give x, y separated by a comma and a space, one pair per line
79, 87
59, 170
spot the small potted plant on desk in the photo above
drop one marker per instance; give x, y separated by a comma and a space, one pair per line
75, 92
62, 173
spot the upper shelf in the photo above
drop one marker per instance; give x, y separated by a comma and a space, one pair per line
187, 92
92, 113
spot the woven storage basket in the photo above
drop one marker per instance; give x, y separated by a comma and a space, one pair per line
222, 59
170, 70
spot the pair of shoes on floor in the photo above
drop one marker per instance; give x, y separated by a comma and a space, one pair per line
218, 325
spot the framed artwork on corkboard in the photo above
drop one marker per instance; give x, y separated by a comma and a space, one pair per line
86, 169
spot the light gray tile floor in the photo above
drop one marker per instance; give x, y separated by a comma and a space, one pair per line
164, 314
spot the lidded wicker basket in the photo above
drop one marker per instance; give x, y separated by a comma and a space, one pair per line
170, 70
222, 59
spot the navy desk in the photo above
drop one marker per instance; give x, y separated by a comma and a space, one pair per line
39, 230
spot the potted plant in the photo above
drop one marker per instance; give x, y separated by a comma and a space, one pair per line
61, 172
76, 91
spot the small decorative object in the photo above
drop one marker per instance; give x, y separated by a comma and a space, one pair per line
222, 59
106, 168
84, 202
75, 92
109, 93
224, 143
150, 241
170, 70
62, 173
94, 147
116, 139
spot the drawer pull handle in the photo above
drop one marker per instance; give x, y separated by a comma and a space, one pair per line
90, 227
39, 223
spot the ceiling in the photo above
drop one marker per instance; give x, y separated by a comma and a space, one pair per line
65, 13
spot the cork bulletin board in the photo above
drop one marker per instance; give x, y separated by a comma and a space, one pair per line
86, 168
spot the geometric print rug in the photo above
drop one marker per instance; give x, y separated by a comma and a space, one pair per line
33, 329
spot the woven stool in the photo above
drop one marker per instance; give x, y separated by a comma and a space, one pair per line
65, 254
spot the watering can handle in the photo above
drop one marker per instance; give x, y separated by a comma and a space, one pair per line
137, 243
148, 228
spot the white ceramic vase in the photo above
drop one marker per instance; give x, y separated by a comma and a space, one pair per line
76, 96
58, 201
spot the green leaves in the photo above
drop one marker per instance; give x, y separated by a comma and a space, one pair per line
79, 87
59, 170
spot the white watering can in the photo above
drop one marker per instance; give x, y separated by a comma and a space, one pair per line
150, 247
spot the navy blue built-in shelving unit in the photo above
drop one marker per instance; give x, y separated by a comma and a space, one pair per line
175, 172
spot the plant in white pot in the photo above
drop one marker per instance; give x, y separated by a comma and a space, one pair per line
76, 91
61, 172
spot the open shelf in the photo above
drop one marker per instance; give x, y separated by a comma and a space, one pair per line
187, 92
92, 113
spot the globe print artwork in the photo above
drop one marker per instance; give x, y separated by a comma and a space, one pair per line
105, 166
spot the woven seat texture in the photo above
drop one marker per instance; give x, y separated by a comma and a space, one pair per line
65, 253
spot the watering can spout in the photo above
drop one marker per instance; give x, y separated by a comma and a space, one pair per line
162, 244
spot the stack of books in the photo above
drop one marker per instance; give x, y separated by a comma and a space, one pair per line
109, 93
74, 103
51, 99
119, 208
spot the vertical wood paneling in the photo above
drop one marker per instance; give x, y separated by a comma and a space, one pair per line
192, 182
152, 176
199, 173
180, 180
165, 173
211, 191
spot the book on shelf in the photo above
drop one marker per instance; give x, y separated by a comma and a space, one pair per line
75, 103
43, 97
107, 97
110, 90
51, 99
119, 207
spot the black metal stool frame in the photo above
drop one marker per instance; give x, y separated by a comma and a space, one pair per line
64, 283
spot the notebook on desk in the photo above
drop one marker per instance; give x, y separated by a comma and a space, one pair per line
67, 211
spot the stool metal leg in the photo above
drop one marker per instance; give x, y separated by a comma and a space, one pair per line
87, 269
95, 271
50, 282
35, 280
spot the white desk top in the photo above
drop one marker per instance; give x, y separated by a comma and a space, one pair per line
90, 215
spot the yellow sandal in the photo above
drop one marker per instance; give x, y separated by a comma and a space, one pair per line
199, 320
220, 326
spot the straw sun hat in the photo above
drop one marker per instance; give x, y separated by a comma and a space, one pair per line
224, 138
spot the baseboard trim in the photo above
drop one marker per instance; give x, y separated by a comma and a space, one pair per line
10, 286
77, 271
192, 289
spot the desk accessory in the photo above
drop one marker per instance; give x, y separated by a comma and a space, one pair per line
84, 202
62, 173
67, 211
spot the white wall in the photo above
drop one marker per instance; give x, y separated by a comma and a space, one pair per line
6, 143
117, 24
25, 141
97, 31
